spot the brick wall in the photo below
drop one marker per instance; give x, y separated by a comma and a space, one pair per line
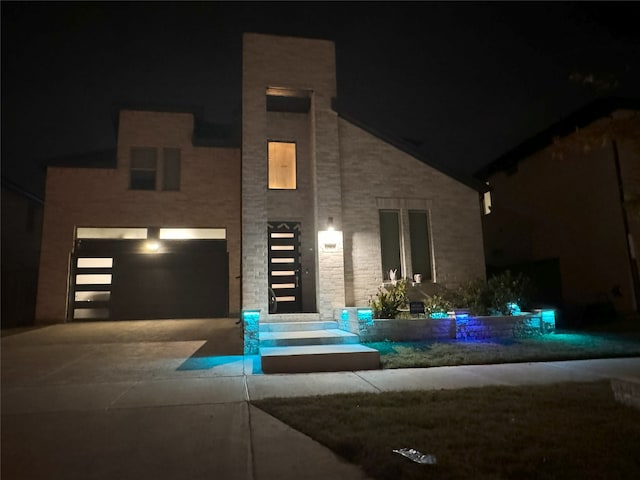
209, 197
377, 175
351, 173
304, 64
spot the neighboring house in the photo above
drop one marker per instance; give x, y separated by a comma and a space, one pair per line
564, 208
312, 204
21, 235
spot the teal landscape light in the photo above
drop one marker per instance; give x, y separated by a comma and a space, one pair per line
251, 323
365, 315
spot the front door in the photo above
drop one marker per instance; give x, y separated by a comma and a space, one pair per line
284, 266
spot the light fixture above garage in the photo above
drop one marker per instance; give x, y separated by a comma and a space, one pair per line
152, 246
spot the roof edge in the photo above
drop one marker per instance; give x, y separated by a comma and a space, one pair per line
409, 149
579, 118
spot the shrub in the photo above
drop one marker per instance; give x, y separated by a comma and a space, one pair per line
472, 295
506, 289
437, 304
496, 295
389, 300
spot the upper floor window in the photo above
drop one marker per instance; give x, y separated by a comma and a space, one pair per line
144, 162
282, 166
171, 169
486, 203
145, 172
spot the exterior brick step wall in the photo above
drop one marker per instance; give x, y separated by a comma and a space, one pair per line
319, 358
290, 317
312, 346
330, 336
297, 326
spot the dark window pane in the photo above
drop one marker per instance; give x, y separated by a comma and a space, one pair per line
420, 251
143, 168
143, 158
171, 169
143, 180
390, 242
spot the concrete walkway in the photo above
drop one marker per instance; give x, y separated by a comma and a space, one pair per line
170, 400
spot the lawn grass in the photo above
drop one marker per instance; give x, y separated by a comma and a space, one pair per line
550, 347
561, 431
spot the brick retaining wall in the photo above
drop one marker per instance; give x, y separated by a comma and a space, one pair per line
471, 328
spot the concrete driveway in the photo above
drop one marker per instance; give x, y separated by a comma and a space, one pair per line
163, 399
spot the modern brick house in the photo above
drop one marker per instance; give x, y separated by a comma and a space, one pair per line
565, 207
311, 204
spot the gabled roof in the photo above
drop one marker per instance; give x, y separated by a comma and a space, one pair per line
578, 119
410, 149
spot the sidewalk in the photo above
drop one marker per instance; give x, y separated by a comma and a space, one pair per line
90, 403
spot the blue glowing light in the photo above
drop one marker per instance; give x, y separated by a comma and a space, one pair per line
365, 315
439, 315
344, 315
548, 320
251, 323
514, 308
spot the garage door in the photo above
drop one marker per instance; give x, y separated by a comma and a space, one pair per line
133, 279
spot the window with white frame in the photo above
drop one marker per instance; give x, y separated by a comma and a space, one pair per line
405, 243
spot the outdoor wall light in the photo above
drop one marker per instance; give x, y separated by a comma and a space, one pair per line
152, 246
330, 238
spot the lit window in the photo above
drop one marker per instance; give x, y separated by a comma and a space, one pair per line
93, 279
192, 233
107, 232
143, 168
92, 296
486, 203
95, 262
282, 166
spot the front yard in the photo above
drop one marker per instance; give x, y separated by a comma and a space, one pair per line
550, 347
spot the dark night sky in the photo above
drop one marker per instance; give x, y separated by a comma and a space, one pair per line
465, 81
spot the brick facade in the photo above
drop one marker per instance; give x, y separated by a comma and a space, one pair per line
209, 197
349, 175
344, 172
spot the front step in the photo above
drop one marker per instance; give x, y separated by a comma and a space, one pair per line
290, 317
319, 358
297, 326
295, 338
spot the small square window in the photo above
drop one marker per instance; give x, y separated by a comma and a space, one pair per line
282, 166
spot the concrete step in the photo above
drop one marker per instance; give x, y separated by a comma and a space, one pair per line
297, 326
319, 358
307, 337
290, 317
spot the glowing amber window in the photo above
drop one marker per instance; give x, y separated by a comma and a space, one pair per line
282, 166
